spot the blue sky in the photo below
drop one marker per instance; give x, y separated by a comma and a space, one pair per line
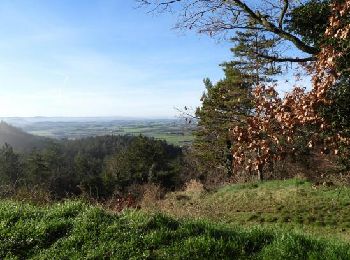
99, 58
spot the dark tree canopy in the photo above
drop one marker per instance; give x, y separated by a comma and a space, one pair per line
224, 104
144, 160
248, 48
310, 21
85, 166
10, 166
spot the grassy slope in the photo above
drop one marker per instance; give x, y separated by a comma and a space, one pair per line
74, 230
291, 205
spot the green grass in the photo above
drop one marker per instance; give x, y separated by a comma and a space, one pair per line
74, 230
291, 205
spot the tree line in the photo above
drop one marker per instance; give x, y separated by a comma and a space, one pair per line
98, 167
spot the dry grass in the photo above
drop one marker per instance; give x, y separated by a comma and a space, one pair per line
194, 187
152, 193
36, 194
291, 204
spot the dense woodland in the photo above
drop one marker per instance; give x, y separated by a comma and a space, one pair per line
97, 167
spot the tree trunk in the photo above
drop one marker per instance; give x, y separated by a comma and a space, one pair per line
260, 172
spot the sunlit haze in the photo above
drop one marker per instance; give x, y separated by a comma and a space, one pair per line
99, 58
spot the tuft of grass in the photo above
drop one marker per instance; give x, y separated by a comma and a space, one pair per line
75, 230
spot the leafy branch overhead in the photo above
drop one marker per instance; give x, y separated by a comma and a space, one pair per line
227, 17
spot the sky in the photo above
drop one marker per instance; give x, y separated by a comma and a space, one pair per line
90, 58
100, 58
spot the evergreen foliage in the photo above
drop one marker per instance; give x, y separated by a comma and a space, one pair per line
249, 48
224, 104
10, 166
144, 161
97, 167
310, 21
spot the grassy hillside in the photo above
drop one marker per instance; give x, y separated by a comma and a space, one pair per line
291, 205
74, 230
20, 140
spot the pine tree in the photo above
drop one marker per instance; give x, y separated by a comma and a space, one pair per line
38, 171
249, 49
10, 166
224, 104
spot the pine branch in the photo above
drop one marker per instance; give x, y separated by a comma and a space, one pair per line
195, 13
285, 59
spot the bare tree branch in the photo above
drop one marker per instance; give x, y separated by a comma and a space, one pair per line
283, 13
262, 20
217, 16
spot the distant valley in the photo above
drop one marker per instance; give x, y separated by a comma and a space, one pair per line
174, 131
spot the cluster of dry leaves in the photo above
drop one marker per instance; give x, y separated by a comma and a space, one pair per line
270, 134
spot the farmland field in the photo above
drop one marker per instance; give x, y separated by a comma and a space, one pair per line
174, 131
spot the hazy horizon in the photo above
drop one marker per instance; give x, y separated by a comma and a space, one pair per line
99, 58
98, 117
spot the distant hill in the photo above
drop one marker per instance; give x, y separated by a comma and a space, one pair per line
20, 140
24, 121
